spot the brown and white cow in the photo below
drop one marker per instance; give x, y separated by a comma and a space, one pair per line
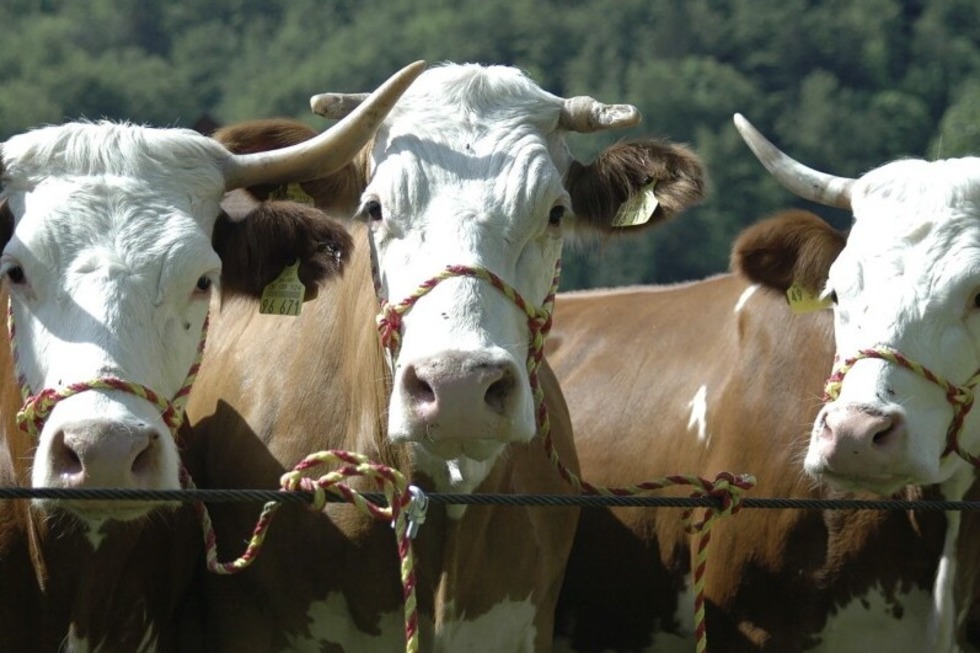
471, 168
721, 375
112, 244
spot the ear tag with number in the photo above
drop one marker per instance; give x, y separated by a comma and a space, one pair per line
638, 209
284, 295
802, 300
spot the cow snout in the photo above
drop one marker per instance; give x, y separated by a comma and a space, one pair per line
862, 440
451, 386
106, 454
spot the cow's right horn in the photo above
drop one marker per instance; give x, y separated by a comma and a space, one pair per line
797, 178
336, 105
327, 152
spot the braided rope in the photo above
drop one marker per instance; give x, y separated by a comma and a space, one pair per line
959, 397
726, 487
37, 408
400, 496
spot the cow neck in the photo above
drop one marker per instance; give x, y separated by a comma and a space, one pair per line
37, 407
960, 397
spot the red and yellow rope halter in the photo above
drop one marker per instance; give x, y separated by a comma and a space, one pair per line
37, 408
960, 397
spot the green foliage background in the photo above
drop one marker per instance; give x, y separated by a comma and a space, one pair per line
841, 85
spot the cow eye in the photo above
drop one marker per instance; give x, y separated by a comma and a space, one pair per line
557, 213
16, 274
976, 300
832, 297
373, 210
203, 284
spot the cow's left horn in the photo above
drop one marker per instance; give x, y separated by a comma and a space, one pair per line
327, 152
585, 114
797, 178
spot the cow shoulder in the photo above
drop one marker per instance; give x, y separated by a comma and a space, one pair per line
622, 171
790, 247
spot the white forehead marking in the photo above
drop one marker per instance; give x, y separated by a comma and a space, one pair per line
744, 297
699, 414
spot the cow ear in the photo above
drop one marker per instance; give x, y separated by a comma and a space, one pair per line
274, 235
339, 191
792, 247
636, 183
6, 224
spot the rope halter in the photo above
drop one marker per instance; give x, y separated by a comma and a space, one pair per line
538, 317
960, 397
37, 407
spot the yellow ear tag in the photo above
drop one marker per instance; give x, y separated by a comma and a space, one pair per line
803, 301
284, 296
293, 193
638, 209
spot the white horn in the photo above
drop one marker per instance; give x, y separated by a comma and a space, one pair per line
585, 114
327, 152
797, 178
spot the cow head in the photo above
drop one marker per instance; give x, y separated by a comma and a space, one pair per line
109, 264
906, 301
471, 169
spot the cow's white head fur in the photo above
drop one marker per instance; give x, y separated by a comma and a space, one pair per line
472, 168
908, 278
109, 265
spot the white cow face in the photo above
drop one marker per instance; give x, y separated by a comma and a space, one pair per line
468, 171
906, 290
109, 265
109, 271
909, 278
471, 169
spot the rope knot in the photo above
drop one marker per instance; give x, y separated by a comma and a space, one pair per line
389, 326
726, 487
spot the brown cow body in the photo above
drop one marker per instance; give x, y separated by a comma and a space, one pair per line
720, 375
471, 170
343, 559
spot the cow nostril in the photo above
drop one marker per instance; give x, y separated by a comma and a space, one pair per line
499, 393
418, 388
65, 461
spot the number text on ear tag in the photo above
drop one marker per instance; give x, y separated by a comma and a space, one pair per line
638, 209
802, 300
284, 296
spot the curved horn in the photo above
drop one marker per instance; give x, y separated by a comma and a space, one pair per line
585, 114
327, 152
797, 178
336, 105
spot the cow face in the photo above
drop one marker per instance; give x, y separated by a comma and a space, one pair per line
906, 292
109, 265
471, 169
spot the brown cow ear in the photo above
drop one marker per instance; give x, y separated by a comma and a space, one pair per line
792, 247
274, 235
636, 183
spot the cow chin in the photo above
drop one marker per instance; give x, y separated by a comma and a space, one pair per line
480, 450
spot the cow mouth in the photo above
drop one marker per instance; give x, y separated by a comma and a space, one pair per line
880, 484
96, 513
479, 449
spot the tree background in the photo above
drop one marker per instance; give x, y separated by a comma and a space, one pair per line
841, 85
